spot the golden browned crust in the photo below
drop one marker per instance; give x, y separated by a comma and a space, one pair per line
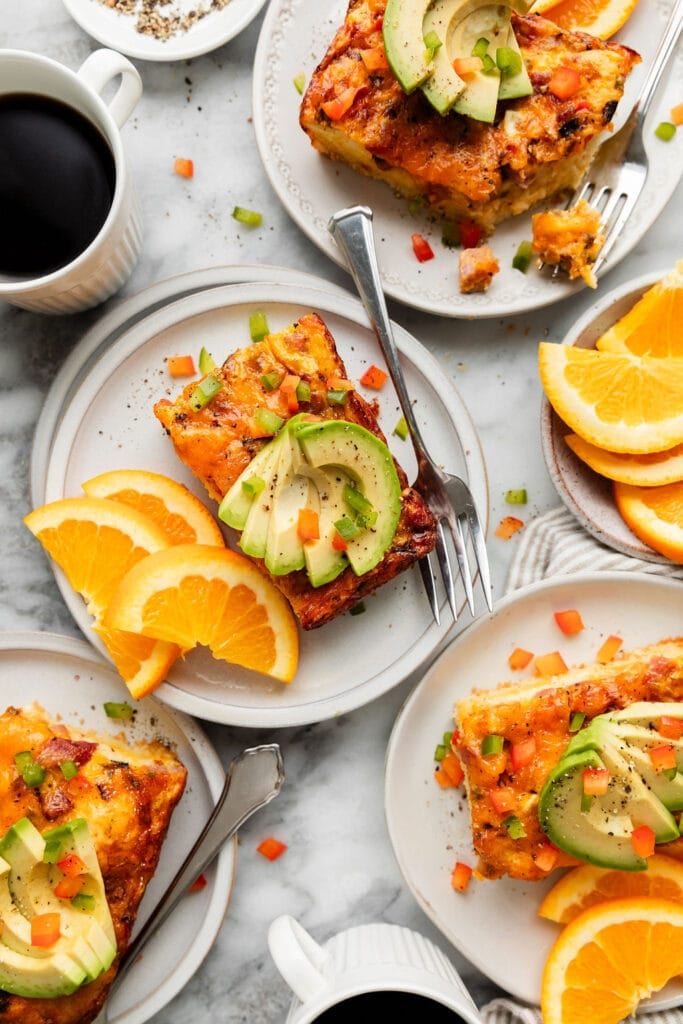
127, 795
218, 442
461, 167
542, 708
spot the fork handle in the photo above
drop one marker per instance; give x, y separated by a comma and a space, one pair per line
659, 62
352, 231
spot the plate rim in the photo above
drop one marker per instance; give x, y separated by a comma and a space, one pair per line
94, 23
618, 578
225, 863
485, 307
343, 304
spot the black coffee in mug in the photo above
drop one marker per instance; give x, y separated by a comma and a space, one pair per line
389, 1006
57, 180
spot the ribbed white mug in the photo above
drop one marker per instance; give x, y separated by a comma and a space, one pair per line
372, 969
107, 262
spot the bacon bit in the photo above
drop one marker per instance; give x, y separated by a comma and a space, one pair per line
183, 167
546, 858
508, 527
609, 649
341, 104
374, 378
271, 848
181, 366
552, 664
59, 749
519, 658
199, 883
460, 876
375, 59
54, 801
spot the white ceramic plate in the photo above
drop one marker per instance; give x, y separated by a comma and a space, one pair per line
117, 30
121, 317
68, 679
586, 494
495, 924
108, 423
294, 37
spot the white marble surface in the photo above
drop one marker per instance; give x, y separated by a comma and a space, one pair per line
339, 868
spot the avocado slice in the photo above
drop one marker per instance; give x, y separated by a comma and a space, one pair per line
28, 875
237, 502
323, 562
601, 835
512, 86
444, 85
492, 22
291, 491
404, 42
369, 463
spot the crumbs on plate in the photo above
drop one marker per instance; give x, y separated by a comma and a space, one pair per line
151, 20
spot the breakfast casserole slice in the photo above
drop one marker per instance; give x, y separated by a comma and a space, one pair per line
219, 441
55, 781
531, 722
354, 110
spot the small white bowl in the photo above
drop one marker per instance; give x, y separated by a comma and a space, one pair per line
585, 493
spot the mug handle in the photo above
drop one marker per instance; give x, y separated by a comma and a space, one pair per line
104, 65
300, 960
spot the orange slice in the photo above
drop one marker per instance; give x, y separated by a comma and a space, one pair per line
623, 403
196, 594
655, 515
611, 957
180, 514
651, 470
95, 541
652, 327
602, 18
586, 886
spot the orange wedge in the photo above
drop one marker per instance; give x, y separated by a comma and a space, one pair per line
651, 470
180, 514
652, 327
196, 594
586, 886
602, 18
655, 515
623, 403
611, 957
95, 541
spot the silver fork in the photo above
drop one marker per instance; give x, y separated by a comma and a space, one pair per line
616, 177
448, 496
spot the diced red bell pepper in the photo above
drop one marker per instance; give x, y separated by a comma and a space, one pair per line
422, 249
552, 664
308, 525
522, 754
608, 649
503, 800
564, 82
460, 876
45, 929
450, 764
670, 727
570, 621
199, 883
595, 781
470, 234
465, 66
67, 888
676, 115
271, 848
374, 378
375, 59
181, 366
519, 658
183, 167
643, 839
663, 757
72, 865
338, 542
546, 858
341, 104
508, 527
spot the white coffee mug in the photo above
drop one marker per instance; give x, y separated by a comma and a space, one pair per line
107, 262
372, 969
